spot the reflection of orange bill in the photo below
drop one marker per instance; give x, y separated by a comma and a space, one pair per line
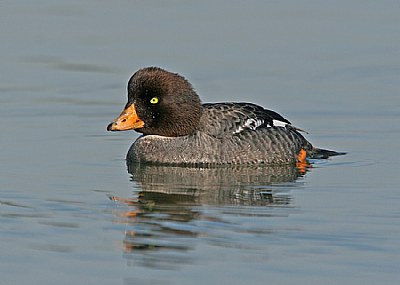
127, 120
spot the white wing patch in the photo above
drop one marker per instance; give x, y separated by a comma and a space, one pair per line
278, 123
253, 124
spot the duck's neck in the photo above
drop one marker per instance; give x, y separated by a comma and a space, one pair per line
176, 124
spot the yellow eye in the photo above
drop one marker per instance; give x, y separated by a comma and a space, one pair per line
154, 100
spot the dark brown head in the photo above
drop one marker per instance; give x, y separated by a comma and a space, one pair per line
159, 103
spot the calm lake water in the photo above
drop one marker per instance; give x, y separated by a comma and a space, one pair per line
332, 69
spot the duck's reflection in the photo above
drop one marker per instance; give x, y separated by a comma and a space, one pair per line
247, 185
175, 205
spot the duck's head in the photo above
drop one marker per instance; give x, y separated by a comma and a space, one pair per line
159, 103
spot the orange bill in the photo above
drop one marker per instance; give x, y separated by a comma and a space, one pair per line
127, 120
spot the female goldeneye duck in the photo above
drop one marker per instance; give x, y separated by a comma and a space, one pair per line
178, 129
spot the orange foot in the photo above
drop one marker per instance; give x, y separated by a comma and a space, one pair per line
302, 163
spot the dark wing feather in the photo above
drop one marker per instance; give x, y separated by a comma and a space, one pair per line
227, 119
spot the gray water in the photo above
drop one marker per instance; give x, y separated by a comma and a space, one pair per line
332, 68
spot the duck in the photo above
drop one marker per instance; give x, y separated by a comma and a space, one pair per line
177, 129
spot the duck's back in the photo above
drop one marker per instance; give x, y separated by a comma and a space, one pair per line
229, 133
252, 134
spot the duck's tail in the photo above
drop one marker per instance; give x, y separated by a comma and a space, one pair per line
320, 153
